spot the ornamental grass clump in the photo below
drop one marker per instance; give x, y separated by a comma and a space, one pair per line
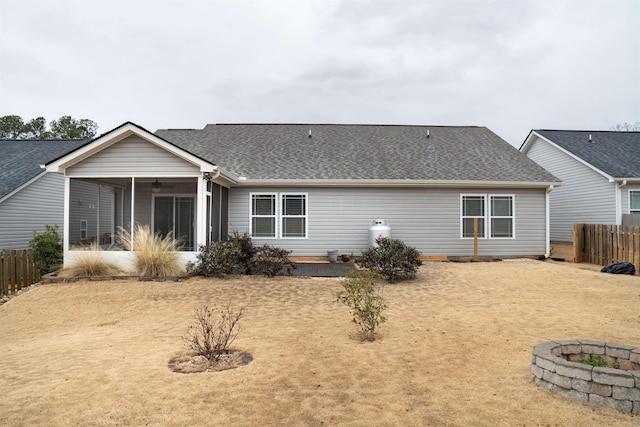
154, 255
363, 295
89, 262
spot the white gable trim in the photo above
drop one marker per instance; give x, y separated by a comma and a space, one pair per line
118, 134
529, 141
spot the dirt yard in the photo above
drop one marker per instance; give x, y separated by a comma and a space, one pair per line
455, 350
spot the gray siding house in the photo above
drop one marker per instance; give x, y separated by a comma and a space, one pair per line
600, 171
312, 188
29, 197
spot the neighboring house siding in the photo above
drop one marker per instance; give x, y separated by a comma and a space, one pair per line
133, 156
428, 219
585, 196
36, 205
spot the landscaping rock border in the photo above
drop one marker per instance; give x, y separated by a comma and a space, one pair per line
555, 366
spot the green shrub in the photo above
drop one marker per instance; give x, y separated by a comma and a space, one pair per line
271, 261
247, 250
363, 296
392, 259
47, 249
217, 259
154, 255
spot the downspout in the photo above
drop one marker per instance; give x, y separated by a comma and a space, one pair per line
619, 186
547, 253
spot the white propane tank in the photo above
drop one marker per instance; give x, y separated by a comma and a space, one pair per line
378, 229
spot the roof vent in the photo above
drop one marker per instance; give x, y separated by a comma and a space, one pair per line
428, 134
309, 133
590, 140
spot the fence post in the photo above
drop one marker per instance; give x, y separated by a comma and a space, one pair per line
578, 242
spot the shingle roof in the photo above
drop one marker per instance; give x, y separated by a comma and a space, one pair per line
371, 152
615, 153
20, 160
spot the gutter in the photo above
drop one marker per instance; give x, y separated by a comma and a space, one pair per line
547, 227
245, 182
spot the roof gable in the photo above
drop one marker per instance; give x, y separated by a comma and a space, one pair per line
326, 152
616, 154
20, 160
118, 134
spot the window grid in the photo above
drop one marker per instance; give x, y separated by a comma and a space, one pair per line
495, 213
278, 215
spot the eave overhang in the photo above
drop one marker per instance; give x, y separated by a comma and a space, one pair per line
397, 183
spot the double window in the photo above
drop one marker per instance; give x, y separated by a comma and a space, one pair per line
278, 215
634, 202
493, 215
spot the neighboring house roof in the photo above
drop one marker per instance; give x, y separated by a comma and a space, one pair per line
617, 154
20, 160
359, 152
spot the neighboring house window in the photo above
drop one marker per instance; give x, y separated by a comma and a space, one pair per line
472, 207
83, 229
276, 215
263, 215
494, 213
294, 215
634, 202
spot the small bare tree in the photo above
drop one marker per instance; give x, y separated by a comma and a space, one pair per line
213, 330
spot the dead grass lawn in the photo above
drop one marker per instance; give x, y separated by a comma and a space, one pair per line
455, 350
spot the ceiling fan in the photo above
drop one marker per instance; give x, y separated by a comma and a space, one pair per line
157, 186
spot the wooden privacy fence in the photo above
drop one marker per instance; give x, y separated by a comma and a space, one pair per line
604, 244
17, 270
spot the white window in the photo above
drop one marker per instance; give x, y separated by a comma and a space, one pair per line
263, 215
494, 213
294, 215
501, 212
83, 229
473, 206
278, 215
634, 202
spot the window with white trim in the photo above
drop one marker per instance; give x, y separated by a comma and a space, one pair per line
473, 206
83, 229
494, 213
278, 215
634, 202
294, 215
263, 215
501, 212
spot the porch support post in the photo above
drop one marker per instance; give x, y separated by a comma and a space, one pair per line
66, 216
201, 213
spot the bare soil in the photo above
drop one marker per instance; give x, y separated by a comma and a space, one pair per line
454, 351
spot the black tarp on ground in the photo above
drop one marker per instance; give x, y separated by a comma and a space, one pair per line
619, 268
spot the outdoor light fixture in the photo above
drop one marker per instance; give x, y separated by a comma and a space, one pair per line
156, 186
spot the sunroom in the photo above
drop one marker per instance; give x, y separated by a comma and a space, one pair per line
128, 178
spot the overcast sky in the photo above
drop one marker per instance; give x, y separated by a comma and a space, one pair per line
509, 65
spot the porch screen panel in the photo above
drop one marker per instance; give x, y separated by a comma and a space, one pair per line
184, 222
163, 215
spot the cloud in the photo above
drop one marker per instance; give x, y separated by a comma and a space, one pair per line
511, 66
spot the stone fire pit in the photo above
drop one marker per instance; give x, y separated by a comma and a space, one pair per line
555, 367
